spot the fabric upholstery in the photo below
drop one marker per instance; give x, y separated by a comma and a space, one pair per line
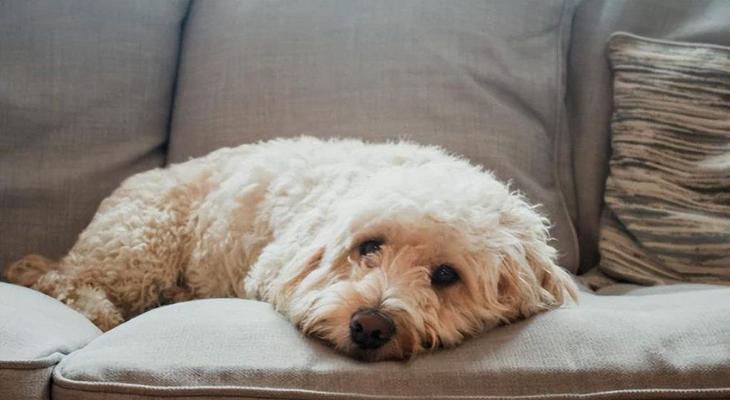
655, 345
482, 79
589, 85
667, 215
35, 332
630, 289
85, 97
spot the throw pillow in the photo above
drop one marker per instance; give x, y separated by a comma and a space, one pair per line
667, 199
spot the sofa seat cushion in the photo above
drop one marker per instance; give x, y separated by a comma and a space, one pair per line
36, 331
646, 346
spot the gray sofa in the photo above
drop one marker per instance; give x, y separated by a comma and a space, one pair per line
94, 91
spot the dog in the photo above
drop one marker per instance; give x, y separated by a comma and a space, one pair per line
382, 250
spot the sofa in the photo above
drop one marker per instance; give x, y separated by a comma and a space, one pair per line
92, 92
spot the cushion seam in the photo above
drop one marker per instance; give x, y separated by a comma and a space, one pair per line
561, 91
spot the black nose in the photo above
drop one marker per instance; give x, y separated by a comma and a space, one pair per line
370, 329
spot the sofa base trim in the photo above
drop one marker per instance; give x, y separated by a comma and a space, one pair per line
67, 388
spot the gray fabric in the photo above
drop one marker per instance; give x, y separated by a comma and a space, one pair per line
35, 332
26, 382
589, 84
484, 79
85, 96
651, 346
629, 289
667, 213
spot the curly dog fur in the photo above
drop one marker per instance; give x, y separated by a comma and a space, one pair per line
321, 230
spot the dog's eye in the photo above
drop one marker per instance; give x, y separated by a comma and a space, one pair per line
370, 246
444, 276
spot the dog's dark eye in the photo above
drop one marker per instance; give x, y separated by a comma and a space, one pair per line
444, 276
370, 246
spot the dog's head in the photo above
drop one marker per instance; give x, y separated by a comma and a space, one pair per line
420, 258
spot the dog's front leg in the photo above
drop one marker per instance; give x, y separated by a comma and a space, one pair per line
131, 256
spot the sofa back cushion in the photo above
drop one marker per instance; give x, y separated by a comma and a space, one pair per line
483, 79
85, 94
589, 85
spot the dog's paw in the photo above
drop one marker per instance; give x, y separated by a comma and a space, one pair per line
94, 305
28, 270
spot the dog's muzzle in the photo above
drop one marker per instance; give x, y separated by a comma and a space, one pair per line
370, 329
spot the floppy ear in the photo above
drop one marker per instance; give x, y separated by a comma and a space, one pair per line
530, 281
299, 259
279, 289
301, 267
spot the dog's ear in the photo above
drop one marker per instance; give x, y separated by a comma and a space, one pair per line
302, 264
302, 267
301, 257
529, 280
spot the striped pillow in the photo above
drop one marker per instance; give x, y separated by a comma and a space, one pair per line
667, 199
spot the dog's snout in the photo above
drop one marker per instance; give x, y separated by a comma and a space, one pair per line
370, 329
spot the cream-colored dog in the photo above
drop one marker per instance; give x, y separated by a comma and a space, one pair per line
383, 250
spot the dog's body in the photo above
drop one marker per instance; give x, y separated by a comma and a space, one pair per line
381, 249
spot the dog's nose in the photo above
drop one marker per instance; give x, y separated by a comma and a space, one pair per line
370, 329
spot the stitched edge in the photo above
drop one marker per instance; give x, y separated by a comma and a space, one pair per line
276, 393
40, 363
